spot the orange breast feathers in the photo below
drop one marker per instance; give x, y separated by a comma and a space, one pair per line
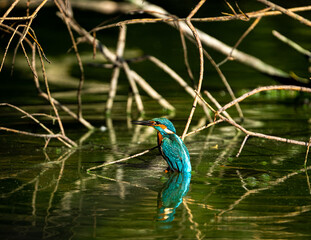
160, 137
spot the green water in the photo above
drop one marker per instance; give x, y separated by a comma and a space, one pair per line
262, 194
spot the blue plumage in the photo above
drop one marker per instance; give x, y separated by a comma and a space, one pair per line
171, 195
175, 153
171, 147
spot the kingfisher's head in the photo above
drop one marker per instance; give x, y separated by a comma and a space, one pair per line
163, 125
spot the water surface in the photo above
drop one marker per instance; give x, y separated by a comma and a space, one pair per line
262, 194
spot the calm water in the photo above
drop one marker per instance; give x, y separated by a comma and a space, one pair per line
263, 194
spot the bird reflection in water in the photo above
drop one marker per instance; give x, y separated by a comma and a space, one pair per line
171, 195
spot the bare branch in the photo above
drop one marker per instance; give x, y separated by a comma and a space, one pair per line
287, 12
291, 43
199, 44
261, 89
306, 157
116, 70
121, 160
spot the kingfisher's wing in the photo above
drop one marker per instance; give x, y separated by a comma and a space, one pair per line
176, 153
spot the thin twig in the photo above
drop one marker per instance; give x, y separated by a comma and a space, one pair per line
308, 148
50, 97
47, 141
210, 96
179, 80
61, 138
121, 160
261, 89
260, 135
204, 127
8, 11
219, 46
254, 14
42, 115
56, 102
242, 180
206, 103
185, 51
286, 12
75, 47
242, 145
184, 84
121, 181
232, 122
15, 31
250, 133
291, 43
251, 27
199, 45
69, 143
33, 15
111, 57
308, 182
31, 134
224, 80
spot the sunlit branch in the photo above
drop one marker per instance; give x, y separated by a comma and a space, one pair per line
116, 69
251, 27
261, 89
287, 12
61, 137
291, 43
199, 45
308, 148
121, 160
254, 14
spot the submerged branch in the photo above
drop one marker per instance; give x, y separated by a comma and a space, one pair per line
121, 160
258, 190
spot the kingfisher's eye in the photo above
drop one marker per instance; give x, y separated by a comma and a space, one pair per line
157, 122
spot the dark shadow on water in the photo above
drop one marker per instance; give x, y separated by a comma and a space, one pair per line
171, 195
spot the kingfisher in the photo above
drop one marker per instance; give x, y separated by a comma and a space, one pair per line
170, 145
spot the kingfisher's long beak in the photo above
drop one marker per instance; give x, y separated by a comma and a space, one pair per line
146, 123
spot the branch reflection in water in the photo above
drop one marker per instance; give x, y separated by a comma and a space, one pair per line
171, 195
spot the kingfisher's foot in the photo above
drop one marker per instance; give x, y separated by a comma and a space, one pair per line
168, 170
